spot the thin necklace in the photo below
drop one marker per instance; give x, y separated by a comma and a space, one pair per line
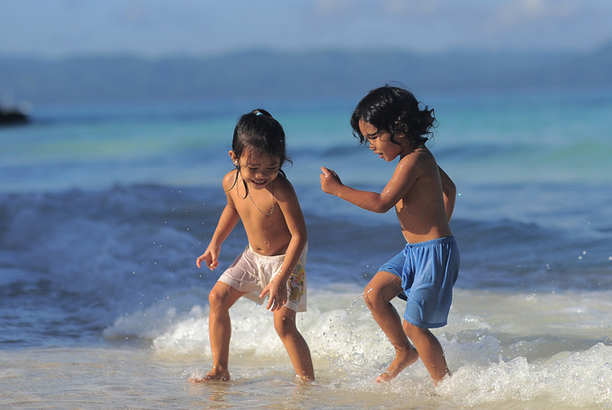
266, 214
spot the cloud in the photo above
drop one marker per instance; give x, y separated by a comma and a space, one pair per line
338, 8
411, 8
549, 24
520, 12
161, 27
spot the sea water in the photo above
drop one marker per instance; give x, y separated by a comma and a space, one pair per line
104, 209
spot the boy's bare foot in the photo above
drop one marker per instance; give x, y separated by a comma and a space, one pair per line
213, 376
402, 360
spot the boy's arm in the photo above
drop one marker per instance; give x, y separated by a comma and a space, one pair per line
292, 212
406, 173
449, 191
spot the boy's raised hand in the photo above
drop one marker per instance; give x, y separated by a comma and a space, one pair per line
329, 180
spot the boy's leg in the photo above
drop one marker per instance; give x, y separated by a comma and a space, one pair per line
297, 348
221, 298
430, 350
378, 295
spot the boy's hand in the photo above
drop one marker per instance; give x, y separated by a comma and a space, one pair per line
210, 258
329, 180
277, 294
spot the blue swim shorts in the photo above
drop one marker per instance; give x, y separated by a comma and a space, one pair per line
428, 271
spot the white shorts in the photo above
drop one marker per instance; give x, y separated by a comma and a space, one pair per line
251, 272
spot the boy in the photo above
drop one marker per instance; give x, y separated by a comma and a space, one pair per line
390, 121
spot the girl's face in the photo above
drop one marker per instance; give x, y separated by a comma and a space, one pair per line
380, 141
258, 169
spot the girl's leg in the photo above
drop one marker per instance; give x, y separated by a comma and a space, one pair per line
430, 351
221, 298
378, 295
299, 353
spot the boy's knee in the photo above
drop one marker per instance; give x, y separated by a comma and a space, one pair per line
413, 332
373, 298
368, 298
381, 290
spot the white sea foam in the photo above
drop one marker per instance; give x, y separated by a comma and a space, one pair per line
550, 350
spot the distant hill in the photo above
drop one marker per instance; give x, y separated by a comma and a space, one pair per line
315, 74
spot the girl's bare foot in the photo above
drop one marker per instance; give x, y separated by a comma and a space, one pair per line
213, 376
305, 379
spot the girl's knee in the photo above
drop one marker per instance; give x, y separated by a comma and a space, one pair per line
215, 297
285, 324
222, 295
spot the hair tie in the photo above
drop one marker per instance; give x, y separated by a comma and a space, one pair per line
258, 113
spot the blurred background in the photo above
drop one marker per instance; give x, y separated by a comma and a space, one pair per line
117, 50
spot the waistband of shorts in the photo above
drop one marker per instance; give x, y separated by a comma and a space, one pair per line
437, 241
273, 257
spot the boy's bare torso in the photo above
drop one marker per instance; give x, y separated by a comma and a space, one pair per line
421, 212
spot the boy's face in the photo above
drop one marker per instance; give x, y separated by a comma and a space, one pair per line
257, 169
380, 141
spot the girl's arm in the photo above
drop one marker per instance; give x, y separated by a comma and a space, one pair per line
290, 207
227, 221
449, 191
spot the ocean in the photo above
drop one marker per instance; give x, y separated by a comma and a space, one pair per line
104, 209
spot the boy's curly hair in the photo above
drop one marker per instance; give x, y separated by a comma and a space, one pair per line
397, 111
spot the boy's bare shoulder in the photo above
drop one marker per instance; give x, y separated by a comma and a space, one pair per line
421, 154
421, 158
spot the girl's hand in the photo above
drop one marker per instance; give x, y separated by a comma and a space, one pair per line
277, 294
329, 180
210, 258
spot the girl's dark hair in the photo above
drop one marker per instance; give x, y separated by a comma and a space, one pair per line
259, 131
397, 111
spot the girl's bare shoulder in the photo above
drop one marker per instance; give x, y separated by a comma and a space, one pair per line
283, 189
230, 180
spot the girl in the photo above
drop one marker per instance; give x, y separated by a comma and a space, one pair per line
391, 122
259, 194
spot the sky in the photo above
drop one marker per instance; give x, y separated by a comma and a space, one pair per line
158, 28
